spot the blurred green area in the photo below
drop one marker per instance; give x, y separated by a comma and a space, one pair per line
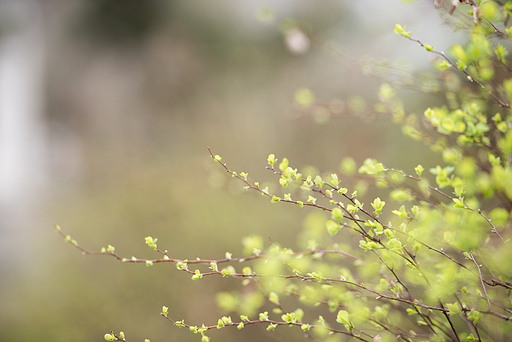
143, 86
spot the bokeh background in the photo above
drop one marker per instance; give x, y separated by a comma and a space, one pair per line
105, 107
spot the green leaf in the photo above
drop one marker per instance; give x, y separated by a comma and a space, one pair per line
490, 10
342, 317
228, 271
419, 170
454, 308
475, 316
337, 214
459, 203
334, 179
319, 182
271, 327
197, 275
401, 31
151, 242
378, 205
109, 337
273, 298
332, 227
283, 165
401, 212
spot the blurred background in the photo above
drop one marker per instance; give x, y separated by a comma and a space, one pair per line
105, 108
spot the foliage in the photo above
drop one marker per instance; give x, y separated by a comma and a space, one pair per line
431, 262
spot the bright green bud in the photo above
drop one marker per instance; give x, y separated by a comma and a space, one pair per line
197, 275
151, 242
401, 31
165, 310
263, 316
109, 337
228, 271
121, 335
271, 327
342, 317
271, 159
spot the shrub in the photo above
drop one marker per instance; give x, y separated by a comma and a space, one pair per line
431, 262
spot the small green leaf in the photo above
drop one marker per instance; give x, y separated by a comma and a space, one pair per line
419, 170
332, 227
342, 317
197, 275
459, 203
273, 298
283, 165
454, 308
151, 242
401, 212
377, 205
475, 316
217, 158
271, 159
109, 337
228, 271
275, 199
401, 31
337, 214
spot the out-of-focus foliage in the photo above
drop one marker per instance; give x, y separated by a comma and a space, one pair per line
428, 259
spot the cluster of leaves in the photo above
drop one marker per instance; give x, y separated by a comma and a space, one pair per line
432, 263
